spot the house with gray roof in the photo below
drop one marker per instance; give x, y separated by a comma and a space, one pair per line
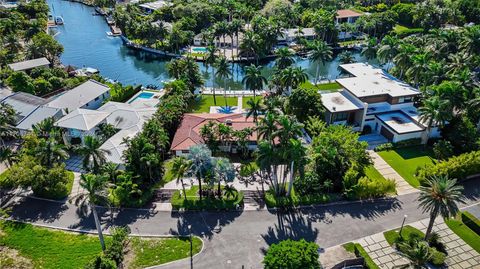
30, 64
89, 95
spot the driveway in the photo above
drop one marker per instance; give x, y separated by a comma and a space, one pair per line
238, 239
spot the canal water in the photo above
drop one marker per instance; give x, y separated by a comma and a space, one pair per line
86, 43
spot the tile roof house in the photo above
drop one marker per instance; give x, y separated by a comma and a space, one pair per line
347, 15
188, 133
89, 95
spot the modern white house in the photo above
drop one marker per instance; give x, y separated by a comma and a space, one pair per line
89, 95
373, 101
150, 7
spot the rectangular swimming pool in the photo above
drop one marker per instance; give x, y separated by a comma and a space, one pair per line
142, 95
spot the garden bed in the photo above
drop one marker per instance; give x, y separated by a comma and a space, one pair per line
193, 201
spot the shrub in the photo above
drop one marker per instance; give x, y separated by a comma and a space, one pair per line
471, 222
114, 251
443, 150
408, 143
459, 167
309, 184
292, 254
383, 147
373, 187
101, 262
438, 258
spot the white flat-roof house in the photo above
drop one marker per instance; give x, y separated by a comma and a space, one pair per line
373, 99
152, 6
292, 34
89, 95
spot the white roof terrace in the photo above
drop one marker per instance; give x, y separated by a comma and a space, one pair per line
339, 102
370, 81
400, 122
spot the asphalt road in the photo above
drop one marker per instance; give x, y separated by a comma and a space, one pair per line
238, 239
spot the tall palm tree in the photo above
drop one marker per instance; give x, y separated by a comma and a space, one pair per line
320, 52
111, 170
210, 59
402, 60
388, 49
288, 128
46, 128
253, 79
267, 127
201, 158
433, 111
291, 77
346, 57
95, 193
284, 58
150, 160
224, 171
93, 155
250, 45
296, 153
370, 50
49, 152
255, 108
223, 72
440, 195
180, 167
419, 67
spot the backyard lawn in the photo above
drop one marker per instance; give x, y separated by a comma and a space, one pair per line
245, 100
206, 101
406, 161
332, 86
48, 248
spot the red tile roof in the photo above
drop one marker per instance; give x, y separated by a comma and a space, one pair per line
188, 133
345, 13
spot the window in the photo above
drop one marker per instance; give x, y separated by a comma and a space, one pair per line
340, 116
405, 99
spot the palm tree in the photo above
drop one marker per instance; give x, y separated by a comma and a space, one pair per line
7, 121
111, 171
284, 58
320, 52
210, 59
93, 155
288, 128
418, 254
223, 72
7, 155
150, 160
440, 195
46, 128
180, 167
291, 77
49, 151
95, 192
388, 49
253, 79
224, 171
402, 60
433, 111
267, 127
255, 108
419, 67
370, 50
346, 57
470, 42
297, 154
201, 158
105, 131
250, 45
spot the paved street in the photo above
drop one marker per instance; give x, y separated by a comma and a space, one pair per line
236, 239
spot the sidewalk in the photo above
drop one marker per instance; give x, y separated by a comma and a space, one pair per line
460, 254
389, 173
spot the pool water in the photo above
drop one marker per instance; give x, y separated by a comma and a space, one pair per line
142, 95
199, 49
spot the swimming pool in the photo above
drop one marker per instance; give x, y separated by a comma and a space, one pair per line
199, 49
142, 95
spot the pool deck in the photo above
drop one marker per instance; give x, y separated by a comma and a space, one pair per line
136, 97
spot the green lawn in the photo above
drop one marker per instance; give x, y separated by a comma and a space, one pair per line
206, 101
150, 252
357, 248
404, 30
332, 86
464, 232
373, 173
245, 100
406, 161
48, 248
168, 173
193, 200
392, 235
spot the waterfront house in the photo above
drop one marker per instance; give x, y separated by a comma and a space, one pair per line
221, 42
188, 133
287, 36
346, 16
80, 123
89, 95
150, 7
373, 101
30, 110
29, 64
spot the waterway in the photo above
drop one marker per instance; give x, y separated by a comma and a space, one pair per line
86, 43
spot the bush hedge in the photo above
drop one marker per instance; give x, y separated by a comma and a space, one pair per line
373, 187
471, 221
459, 167
292, 254
193, 201
296, 200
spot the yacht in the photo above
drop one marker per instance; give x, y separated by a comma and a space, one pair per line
58, 20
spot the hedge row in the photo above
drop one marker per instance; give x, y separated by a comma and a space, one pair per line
459, 167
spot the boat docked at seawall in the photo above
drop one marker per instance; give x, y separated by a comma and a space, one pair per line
59, 20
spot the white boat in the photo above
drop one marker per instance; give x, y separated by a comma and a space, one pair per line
58, 20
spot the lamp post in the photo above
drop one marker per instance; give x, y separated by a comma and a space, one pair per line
403, 223
191, 245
